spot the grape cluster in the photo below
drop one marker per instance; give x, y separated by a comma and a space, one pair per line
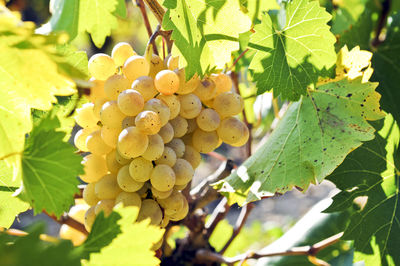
145, 127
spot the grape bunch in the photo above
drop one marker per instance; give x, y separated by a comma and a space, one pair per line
145, 126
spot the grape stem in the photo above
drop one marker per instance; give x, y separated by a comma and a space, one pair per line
382, 21
142, 8
65, 219
203, 255
156, 9
238, 58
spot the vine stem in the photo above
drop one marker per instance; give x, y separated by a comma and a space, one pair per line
69, 221
238, 58
310, 251
142, 8
156, 9
381, 23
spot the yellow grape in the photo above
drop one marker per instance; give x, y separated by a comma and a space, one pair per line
96, 90
180, 126
205, 142
143, 191
110, 135
98, 104
128, 121
173, 203
164, 222
206, 89
145, 85
148, 122
162, 177
89, 194
180, 213
132, 142
85, 116
140, 169
180, 187
192, 156
90, 216
173, 62
115, 85
156, 65
94, 167
112, 165
80, 139
126, 182
76, 237
150, 209
183, 172
243, 140
77, 212
231, 130
130, 102
160, 108
135, 66
129, 199
157, 245
187, 139
110, 115
178, 146
190, 106
186, 87
121, 52
160, 194
208, 120
168, 157
173, 104
121, 159
167, 133
166, 82
192, 125
107, 187
96, 145
222, 81
155, 148
101, 66
105, 205
228, 104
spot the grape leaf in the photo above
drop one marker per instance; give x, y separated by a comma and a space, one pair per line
386, 62
50, 168
132, 245
346, 13
254, 8
293, 58
312, 139
202, 33
370, 175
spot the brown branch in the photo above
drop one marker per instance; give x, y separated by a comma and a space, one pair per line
382, 21
238, 58
142, 8
156, 9
69, 221
218, 215
244, 214
310, 251
80, 193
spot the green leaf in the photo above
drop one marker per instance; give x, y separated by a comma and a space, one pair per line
202, 33
254, 8
293, 58
386, 62
10, 205
347, 12
369, 176
50, 169
311, 140
132, 245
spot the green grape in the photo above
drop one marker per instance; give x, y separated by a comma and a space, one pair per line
166, 82
110, 135
155, 148
173, 62
112, 164
231, 130
243, 140
98, 104
90, 216
132, 143
126, 182
190, 106
80, 139
192, 125
160, 194
205, 142
173, 203
94, 167
85, 116
107, 187
96, 90
180, 213
206, 89
101, 66
186, 87
135, 66
110, 115
115, 85
228, 104
140, 169
156, 65
173, 104
130, 102
192, 156
145, 85
178, 146
168, 157
150, 209
180, 126
162, 177
183, 172
208, 120
164, 222
128, 121
129, 199
89, 195
222, 81
166, 133
148, 122
121, 52
160, 108
96, 145
121, 159
105, 205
